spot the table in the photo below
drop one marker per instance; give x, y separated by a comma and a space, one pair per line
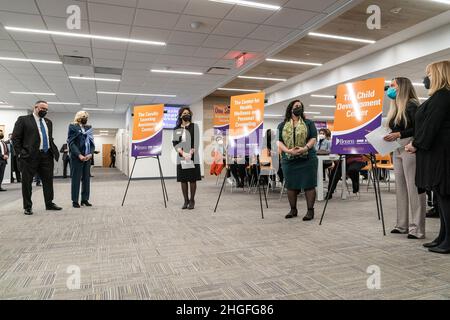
332, 157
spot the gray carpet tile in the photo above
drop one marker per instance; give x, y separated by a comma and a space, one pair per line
145, 251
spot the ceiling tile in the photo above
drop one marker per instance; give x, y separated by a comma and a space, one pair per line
210, 53
316, 5
221, 42
58, 8
111, 14
233, 28
8, 45
290, 18
109, 63
269, 33
140, 57
179, 50
187, 38
109, 54
208, 9
176, 6
246, 14
124, 3
35, 47
207, 24
150, 34
155, 19
23, 6
252, 45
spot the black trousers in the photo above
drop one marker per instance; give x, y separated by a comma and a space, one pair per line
352, 171
15, 169
238, 172
113, 162
43, 166
65, 163
443, 202
81, 174
2, 170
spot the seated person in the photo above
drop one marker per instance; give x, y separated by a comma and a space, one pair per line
323, 145
353, 163
237, 169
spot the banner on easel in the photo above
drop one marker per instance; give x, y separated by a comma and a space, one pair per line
147, 130
359, 108
221, 119
246, 124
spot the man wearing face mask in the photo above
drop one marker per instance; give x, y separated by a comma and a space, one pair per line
35, 149
4, 155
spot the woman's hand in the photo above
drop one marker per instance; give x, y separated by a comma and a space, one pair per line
82, 158
410, 148
392, 136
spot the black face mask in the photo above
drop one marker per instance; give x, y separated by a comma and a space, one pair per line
83, 121
42, 113
298, 111
186, 117
427, 82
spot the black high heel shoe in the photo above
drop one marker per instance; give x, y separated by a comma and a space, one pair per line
309, 215
191, 204
293, 213
185, 205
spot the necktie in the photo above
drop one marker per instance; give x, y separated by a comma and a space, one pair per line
44, 136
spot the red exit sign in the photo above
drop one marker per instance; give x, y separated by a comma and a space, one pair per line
240, 60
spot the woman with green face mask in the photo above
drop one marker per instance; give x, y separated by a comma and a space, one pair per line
297, 137
411, 206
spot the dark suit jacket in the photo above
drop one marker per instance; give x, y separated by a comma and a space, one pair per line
65, 154
26, 139
6, 152
77, 141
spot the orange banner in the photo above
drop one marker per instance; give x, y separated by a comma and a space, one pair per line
246, 114
221, 116
147, 130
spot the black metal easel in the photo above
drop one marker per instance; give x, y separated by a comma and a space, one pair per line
161, 176
376, 185
259, 189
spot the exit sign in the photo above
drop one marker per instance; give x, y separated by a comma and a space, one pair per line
240, 60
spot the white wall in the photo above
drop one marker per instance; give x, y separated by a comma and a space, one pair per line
8, 119
148, 168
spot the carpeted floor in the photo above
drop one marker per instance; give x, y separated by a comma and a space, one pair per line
144, 251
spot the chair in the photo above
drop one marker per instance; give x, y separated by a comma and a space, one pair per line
385, 162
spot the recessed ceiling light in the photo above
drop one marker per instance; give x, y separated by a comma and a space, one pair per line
322, 96
6, 106
138, 94
94, 79
30, 60
83, 35
332, 36
235, 89
322, 106
177, 72
262, 78
97, 109
35, 93
251, 4
293, 62
64, 103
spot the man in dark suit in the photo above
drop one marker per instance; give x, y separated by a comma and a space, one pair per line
13, 158
33, 143
4, 155
66, 160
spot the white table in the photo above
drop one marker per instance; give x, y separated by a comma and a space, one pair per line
332, 157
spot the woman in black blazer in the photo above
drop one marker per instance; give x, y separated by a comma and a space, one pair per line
81, 145
432, 145
186, 141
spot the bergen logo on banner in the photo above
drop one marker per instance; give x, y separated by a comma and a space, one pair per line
147, 130
359, 107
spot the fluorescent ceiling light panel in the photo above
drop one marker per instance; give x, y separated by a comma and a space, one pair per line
262, 78
323, 117
65, 103
322, 106
86, 36
235, 89
97, 109
332, 36
35, 93
94, 79
250, 4
177, 72
311, 112
138, 94
442, 1
274, 115
30, 60
321, 96
294, 62
5, 107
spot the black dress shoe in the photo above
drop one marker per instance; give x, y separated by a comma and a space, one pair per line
309, 215
432, 213
191, 204
439, 250
396, 231
431, 244
86, 203
411, 236
185, 205
292, 214
1, 189
28, 212
75, 204
53, 207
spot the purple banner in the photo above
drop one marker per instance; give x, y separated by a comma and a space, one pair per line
246, 146
148, 148
320, 125
355, 142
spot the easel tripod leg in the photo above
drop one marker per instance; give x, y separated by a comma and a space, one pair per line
328, 192
221, 189
129, 180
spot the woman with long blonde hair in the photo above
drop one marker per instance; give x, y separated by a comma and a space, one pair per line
432, 146
411, 206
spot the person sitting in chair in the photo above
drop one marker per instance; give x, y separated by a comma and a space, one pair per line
353, 164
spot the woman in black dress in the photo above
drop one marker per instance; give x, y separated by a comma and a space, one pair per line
432, 147
186, 141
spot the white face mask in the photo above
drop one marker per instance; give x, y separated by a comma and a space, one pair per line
321, 136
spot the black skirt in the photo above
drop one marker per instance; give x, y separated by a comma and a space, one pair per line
188, 175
